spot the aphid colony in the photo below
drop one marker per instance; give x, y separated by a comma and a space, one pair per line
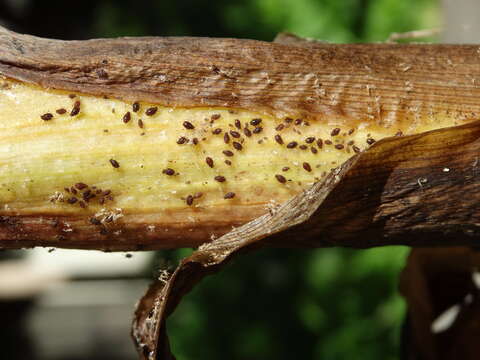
157, 158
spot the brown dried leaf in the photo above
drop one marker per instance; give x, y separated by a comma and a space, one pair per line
403, 190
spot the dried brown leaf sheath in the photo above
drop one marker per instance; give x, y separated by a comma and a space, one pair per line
375, 90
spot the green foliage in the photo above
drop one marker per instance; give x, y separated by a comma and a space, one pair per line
285, 304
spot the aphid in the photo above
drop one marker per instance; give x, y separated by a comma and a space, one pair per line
292, 145
335, 132
234, 134
247, 132
95, 221
319, 143
182, 140
82, 204
61, 111
126, 118
303, 147
72, 200
370, 141
298, 121
310, 140
285, 168
209, 161
151, 111
188, 125
72, 96
307, 166
255, 122
216, 131
81, 186
114, 163
280, 127
168, 172
328, 142
288, 120
350, 143
135, 106
238, 124
228, 162
356, 149
279, 139
215, 116
227, 153
229, 195
189, 200
220, 178
339, 146
46, 117
313, 150
140, 123
237, 145
257, 130
226, 138
350, 132
195, 141
76, 109
128, 256
106, 192
281, 178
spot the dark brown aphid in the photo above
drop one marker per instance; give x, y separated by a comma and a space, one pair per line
255, 122
307, 166
247, 132
288, 120
215, 116
140, 123
81, 186
229, 195
335, 132
280, 127
135, 106
281, 178
257, 130
285, 168
169, 172
188, 125
226, 138
237, 145
339, 146
127, 117
279, 139
82, 204
216, 131
370, 141
73, 190
319, 143
182, 140
228, 162
209, 161
72, 200
72, 96
356, 149
76, 109
350, 132
227, 153
95, 221
350, 143
61, 111
310, 140
303, 147
298, 121
220, 178
189, 200
328, 142
238, 124
195, 141
151, 111
292, 145
114, 163
313, 150
235, 134
46, 117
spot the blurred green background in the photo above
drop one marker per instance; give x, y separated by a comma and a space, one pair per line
273, 304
